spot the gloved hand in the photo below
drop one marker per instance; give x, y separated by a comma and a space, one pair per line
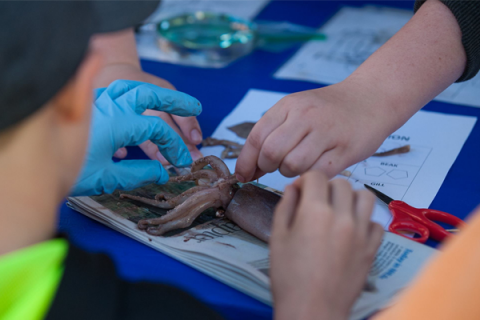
117, 122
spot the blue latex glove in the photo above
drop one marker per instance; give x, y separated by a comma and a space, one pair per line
117, 122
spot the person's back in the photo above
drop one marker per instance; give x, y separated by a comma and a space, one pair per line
46, 106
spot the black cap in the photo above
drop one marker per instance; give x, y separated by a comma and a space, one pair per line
43, 42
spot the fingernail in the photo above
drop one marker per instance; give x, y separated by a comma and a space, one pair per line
240, 178
196, 136
196, 154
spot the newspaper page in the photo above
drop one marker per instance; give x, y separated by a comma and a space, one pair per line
353, 34
220, 249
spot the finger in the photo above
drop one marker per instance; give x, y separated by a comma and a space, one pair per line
247, 160
331, 162
139, 129
190, 129
258, 174
314, 189
131, 174
342, 197
97, 93
141, 96
151, 150
284, 212
153, 153
302, 157
120, 153
194, 152
278, 144
365, 201
375, 238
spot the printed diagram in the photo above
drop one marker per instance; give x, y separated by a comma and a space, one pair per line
398, 174
353, 34
391, 174
394, 174
374, 172
396, 171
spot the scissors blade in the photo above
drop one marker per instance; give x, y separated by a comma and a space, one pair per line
380, 195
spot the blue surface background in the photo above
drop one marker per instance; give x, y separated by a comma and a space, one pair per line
220, 90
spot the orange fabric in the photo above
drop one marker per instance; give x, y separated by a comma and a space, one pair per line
449, 286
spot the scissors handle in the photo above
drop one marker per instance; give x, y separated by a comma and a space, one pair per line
402, 221
426, 218
436, 231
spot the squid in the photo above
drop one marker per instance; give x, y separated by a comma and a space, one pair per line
249, 206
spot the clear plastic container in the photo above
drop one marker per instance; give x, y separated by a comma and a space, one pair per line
207, 37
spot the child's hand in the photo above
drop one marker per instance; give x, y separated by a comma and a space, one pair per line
117, 122
326, 129
322, 246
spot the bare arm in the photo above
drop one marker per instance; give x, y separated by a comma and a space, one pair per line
121, 59
334, 127
417, 63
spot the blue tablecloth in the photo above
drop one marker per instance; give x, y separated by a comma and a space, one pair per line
220, 91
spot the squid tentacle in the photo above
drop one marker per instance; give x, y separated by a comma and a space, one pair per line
210, 142
168, 204
165, 196
217, 164
230, 153
201, 176
191, 207
183, 222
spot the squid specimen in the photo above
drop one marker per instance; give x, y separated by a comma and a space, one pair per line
250, 207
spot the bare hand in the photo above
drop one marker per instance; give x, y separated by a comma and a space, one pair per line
187, 127
322, 246
326, 129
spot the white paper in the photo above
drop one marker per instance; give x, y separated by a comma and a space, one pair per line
415, 177
147, 45
353, 34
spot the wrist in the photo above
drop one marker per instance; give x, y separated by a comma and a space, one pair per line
381, 110
303, 309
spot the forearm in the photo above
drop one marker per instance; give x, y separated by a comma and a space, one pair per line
117, 47
307, 311
121, 60
416, 64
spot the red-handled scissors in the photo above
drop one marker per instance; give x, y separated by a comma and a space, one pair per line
420, 221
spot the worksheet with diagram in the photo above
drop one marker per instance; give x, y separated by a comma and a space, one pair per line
435, 140
353, 34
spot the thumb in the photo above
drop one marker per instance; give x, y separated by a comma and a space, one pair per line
131, 174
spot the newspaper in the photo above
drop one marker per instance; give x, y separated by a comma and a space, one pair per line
219, 248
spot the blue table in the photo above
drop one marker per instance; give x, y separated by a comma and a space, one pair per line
220, 91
